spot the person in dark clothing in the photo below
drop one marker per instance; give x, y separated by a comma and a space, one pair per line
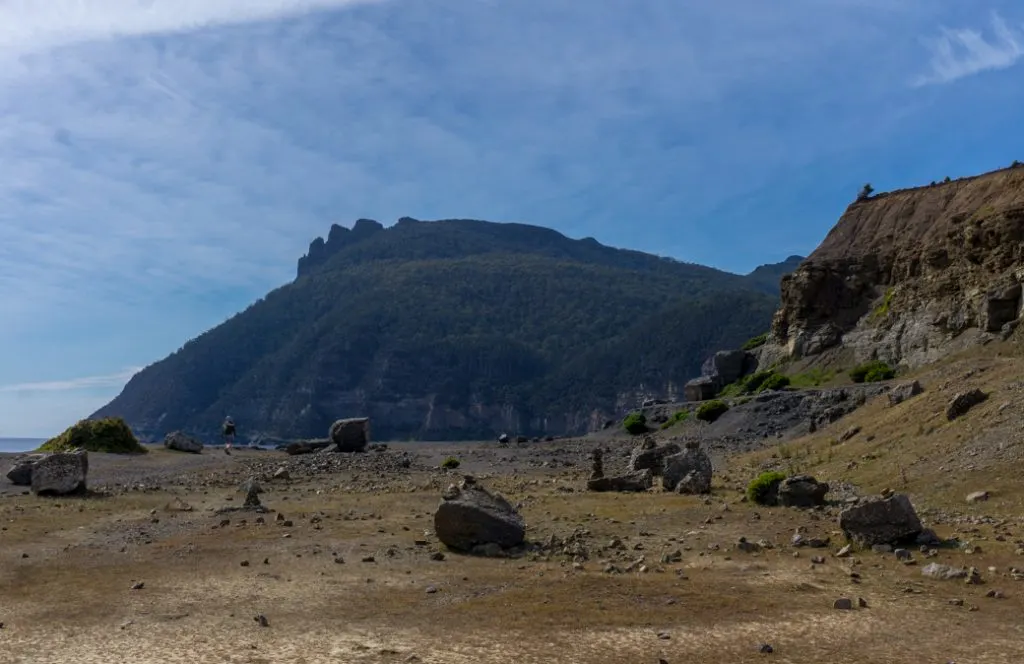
229, 434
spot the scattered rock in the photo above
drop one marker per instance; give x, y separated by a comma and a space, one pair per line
60, 473
650, 456
963, 402
688, 472
944, 572
261, 620
766, 649
20, 473
633, 482
469, 515
901, 393
889, 520
843, 604
252, 492
282, 474
801, 491
844, 552
180, 442
977, 496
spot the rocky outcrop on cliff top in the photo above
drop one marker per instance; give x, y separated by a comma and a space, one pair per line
909, 275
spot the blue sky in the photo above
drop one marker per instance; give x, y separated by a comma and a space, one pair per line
166, 162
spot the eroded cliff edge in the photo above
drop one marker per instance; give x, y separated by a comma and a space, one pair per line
909, 276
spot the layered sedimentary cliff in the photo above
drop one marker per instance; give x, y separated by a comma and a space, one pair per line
910, 275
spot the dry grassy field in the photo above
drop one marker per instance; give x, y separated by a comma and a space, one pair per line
350, 574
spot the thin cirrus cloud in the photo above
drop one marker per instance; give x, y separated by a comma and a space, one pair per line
74, 384
962, 52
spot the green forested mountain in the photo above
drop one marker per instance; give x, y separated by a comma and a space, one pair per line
451, 329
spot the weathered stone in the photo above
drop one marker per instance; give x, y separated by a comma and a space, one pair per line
901, 393
977, 496
944, 572
469, 515
180, 442
963, 402
700, 389
843, 604
649, 456
503, 439
728, 366
689, 471
20, 473
282, 474
889, 520
801, 491
252, 492
632, 482
352, 434
60, 473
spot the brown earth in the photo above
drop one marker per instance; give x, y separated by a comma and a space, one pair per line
68, 565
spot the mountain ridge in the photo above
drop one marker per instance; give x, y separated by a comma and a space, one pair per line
451, 329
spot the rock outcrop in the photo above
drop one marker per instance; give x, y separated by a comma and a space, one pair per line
891, 520
908, 276
630, 482
963, 402
689, 471
352, 434
60, 473
901, 393
469, 516
180, 442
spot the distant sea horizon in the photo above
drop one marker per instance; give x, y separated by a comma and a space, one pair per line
20, 444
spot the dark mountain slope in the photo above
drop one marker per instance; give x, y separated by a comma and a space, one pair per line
450, 329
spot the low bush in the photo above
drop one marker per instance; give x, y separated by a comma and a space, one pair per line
756, 342
774, 382
451, 463
764, 486
679, 416
635, 423
872, 372
709, 411
111, 435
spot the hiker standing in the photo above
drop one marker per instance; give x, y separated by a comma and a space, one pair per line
228, 430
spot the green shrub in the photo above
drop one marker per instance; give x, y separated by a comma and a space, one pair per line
759, 490
635, 423
774, 382
865, 193
709, 411
679, 416
450, 463
882, 310
872, 372
812, 378
756, 342
110, 434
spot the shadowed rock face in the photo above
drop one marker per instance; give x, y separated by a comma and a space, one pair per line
890, 520
910, 275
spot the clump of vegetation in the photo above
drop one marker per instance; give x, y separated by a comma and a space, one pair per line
709, 411
872, 372
110, 435
882, 310
679, 416
635, 423
866, 192
812, 377
764, 486
755, 383
451, 463
756, 342
1016, 164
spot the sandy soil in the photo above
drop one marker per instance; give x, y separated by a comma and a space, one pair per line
68, 567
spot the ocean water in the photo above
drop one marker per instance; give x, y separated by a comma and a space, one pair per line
20, 444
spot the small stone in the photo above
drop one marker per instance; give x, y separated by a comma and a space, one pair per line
138, 585
844, 552
843, 604
369, 559
956, 602
262, 620
862, 603
818, 560
431, 590
437, 555
244, 563
664, 636
766, 649
977, 496
995, 594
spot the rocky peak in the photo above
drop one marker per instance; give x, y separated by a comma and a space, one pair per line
905, 275
338, 238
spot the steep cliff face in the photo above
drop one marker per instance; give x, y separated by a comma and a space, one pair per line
910, 275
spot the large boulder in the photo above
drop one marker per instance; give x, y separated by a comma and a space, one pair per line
180, 442
700, 389
889, 520
20, 473
648, 455
728, 366
963, 402
470, 516
352, 434
689, 471
60, 473
801, 491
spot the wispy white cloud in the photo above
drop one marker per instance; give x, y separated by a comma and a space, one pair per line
958, 53
28, 26
74, 384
